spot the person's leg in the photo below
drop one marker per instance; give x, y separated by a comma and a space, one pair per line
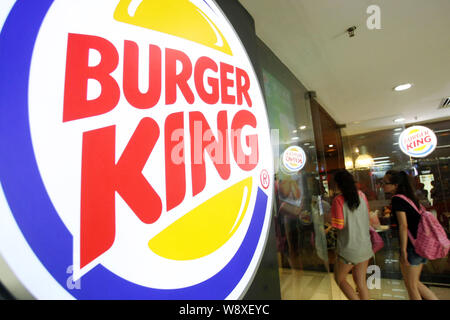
411, 276
341, 271
359, 276
424, 291
403, 271
291, 236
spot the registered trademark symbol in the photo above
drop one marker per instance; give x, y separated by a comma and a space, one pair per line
265, 179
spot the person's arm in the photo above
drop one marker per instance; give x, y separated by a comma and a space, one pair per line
337, 214
366, 201
403, 234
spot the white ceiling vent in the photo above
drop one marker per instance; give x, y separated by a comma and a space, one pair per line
445, 103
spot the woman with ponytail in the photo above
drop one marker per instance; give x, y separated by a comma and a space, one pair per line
407, 218
350, 215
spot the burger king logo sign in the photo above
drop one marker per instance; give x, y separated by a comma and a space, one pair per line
135, 151
417, 141
294, 159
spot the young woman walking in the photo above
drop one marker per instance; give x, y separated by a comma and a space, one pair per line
350, 215
407, 218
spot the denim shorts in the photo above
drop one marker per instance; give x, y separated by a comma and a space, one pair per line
413, 258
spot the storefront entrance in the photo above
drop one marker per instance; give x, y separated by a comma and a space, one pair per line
305, 240
431, 180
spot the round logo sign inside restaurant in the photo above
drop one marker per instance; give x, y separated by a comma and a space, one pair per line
417, 141
136, 157
294, 159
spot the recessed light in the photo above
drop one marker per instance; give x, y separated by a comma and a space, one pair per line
403, 87
302, 127
399, 120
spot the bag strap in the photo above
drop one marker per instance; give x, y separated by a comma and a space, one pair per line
409, 201
415, 208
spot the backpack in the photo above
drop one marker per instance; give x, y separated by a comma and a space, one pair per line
431, 242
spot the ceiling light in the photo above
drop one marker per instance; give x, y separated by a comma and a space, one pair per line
402, 87
295, 138
331, 145
398, 129
294, 131
399, 120
302, 127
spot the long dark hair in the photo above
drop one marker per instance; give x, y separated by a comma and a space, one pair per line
346, 184
404, 185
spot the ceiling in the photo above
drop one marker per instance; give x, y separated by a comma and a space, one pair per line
354, 77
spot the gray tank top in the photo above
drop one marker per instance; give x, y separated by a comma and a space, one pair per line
353, 241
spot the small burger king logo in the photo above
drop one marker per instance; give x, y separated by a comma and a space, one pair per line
417, 141
135, 151
294, 159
